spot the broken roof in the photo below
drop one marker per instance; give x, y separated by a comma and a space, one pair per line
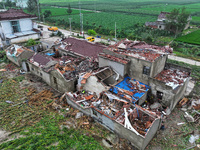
140, 49
173, 77
82, 47
14, 14
163, 15
70, 66
16, 50
130, 89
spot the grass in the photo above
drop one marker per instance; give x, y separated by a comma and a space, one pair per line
40, 128
191, 38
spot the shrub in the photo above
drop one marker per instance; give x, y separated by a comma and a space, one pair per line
91, 32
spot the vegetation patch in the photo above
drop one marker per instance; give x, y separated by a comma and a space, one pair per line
192, 38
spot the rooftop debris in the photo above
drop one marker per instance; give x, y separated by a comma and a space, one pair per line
83, 99
130, 89
16, 50
70, 67
173, 77
121, 60
140, 49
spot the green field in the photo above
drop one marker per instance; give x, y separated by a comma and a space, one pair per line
107, 20
125, 13
192, 38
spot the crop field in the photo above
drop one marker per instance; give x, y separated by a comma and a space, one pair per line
107, 20
192, 38
125, 13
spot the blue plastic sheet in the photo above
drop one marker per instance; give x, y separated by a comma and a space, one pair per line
127, 86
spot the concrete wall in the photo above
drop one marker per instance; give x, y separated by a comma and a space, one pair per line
158, 65
39, 72
168, 94
136, 69
151, 132
25, 38
62, 85
121, 68
86, 111
13, 59
179, 94
6, 26
94, 85
25, 24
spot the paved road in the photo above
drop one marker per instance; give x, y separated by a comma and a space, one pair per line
67, 33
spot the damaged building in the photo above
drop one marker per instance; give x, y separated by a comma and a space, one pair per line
111, 84
146, 63
18, 54
129, 121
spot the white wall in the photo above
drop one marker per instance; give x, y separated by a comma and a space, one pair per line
24, 38
25, 24
6, 26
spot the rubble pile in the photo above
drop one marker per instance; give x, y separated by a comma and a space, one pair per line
173, 77
84, 98
70, 67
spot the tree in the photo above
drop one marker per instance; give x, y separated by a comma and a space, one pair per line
47, 13
91, 32
69, 10
177, 20
32, 6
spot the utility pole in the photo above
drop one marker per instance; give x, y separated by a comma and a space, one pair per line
80, 17
70, 26
38, 9
43, 18
115, 32
82, 23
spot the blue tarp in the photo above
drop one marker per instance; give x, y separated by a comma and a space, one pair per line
50, 54
127, 86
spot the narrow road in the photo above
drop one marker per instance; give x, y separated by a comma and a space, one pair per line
67, 33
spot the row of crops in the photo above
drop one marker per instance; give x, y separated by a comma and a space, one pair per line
192, 38
129, 7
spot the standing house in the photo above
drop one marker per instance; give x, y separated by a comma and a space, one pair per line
16, 26
18, 54
161, 21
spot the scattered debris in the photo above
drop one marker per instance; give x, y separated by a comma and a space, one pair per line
79, 115
193, 138
188, 117
181, 123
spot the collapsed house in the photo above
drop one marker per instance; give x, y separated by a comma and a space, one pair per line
114, 92
129, 121
144, 63
18, 54
61, 73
